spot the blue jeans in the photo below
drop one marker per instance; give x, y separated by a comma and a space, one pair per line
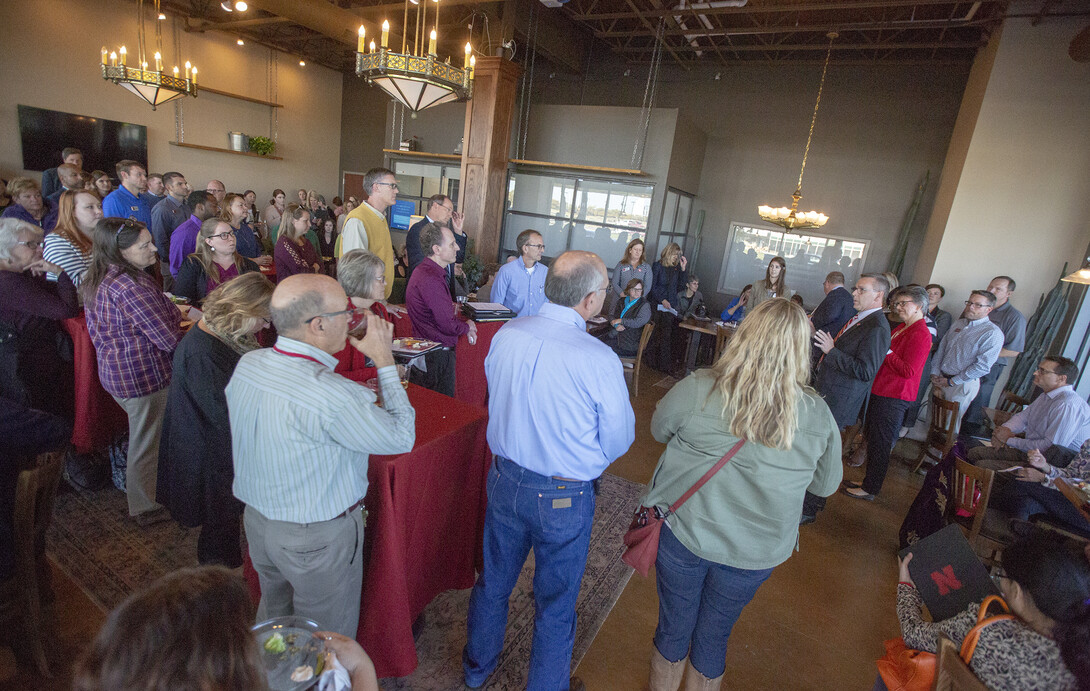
699, 601
553, 517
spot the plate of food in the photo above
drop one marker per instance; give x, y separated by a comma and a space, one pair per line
293, 657
413, 346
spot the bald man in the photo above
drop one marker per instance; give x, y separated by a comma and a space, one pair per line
217, 189
291, 416
70, 178
558, 415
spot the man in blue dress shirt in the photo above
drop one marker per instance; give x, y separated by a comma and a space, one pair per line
127, 201
559, 414
520, 285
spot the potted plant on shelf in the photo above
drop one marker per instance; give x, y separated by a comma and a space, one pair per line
262, 146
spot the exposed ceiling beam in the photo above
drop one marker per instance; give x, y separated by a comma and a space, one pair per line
399, 8
841, 7
948, 45
801, 28
652, 29
556, 38
196, 24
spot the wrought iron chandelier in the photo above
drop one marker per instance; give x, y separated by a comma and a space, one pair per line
416, 79
792, 218
156, 86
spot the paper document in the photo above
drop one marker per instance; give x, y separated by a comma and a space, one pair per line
488, 306
667, 309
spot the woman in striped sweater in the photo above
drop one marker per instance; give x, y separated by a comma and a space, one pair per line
69, 245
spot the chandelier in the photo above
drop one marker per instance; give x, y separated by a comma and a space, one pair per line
416, 79
793, 219
154, 86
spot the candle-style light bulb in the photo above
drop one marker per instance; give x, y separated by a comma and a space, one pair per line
194, 75
385, 33
361, 45
158, 62
469, 49
175, 71
188, 67
113, 59
372, 45
104, 54
431, 43
124, 55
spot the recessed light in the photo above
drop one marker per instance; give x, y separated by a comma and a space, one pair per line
241, 6
302, 63
162, 16
240, 42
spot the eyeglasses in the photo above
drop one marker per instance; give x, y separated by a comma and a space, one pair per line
998, 574
902, 303
976, 304
391, 185
228, 234
30, 244
1042, 370
268, 322
857, 289
537, 247
355, 316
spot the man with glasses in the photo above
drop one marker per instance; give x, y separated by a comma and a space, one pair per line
849, 362
301, 436
967, 352
440, 212
1013, 325
216, 189
558, 415
366, 227
520, 284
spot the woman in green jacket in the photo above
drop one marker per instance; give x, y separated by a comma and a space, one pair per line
723, 543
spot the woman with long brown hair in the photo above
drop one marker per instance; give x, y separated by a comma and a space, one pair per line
294, 254
633, 265
69, 245
722, 544
773, 285
214, 262
102, 182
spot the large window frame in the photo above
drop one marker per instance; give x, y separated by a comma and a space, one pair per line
677, 213
413, 186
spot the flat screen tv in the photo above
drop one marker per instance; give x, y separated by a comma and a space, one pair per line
45, 133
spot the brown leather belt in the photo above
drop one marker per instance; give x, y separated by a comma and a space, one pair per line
350, 509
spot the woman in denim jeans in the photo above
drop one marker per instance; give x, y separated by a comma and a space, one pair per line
723, 543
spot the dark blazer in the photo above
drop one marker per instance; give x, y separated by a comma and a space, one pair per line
50, 182
831, 315
845, 376
416, 253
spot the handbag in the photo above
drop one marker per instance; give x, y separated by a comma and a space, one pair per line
642, 539
904, 669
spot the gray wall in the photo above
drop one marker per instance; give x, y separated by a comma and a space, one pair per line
364, 126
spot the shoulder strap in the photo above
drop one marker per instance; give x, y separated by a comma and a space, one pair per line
968, 646
707, 476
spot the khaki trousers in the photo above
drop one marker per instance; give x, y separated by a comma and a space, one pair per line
145, 426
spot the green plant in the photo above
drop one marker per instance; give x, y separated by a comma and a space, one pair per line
263, 146
472, 267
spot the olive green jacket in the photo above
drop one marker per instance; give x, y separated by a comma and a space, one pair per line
747, 515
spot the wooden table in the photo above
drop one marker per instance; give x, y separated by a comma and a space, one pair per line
1077, 498
696, 328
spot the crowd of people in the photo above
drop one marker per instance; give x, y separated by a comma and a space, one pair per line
234, 396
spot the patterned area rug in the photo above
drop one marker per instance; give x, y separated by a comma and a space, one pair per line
93, 540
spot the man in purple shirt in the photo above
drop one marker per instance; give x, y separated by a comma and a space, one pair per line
183, 241
128, 200
427, 299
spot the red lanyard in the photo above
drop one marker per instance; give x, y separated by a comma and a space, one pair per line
298, 355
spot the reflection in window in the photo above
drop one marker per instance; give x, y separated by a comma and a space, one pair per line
809, 258
418, 181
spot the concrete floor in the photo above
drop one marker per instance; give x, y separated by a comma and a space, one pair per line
817, 623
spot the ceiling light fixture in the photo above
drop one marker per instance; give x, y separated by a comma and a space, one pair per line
162, 16
793, 219
241, 6
226, 6
416, 79
240, 42
302, 63
154, 86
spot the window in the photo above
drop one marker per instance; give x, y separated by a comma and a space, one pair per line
809, 259
675, 221
417, 181
600, 216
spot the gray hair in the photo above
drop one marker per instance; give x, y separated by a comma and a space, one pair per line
357, 271
291, 317
881, 281
372, 176
10, 229
568, 287
916, 294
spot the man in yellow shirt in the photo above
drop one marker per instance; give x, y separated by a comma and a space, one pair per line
366, 227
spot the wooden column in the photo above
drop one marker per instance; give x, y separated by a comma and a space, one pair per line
485, 152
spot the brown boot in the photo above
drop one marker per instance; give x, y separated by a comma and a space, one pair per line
695, 681
665, 675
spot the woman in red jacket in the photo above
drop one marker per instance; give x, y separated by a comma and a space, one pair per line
363, 277
894, 389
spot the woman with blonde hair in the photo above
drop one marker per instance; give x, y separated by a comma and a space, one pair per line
195, 461
69, 245
722, 544
293, 253
668, 277
773, 285
214, 262
633, 265
29, 205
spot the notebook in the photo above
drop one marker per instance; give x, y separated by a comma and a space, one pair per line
947, 573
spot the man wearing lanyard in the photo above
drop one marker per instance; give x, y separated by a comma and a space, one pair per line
520, 285
301, 436
559, 414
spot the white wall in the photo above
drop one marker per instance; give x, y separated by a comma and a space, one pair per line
1021, 206
50, 59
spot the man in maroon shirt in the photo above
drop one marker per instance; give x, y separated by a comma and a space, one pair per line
432, 312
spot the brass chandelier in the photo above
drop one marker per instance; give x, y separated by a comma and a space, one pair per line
416, 79
792, 218
156, 87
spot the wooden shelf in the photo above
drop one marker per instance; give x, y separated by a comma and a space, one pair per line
224, 151
424, 154
571, 166
238, 96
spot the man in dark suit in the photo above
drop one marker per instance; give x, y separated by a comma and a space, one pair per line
440, 212
850, 362
833, 312
50, 180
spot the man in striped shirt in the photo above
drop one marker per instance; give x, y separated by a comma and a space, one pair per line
301, 436
967, 352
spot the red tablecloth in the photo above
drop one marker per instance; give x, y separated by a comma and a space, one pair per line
470, 384
99, 419
424, 526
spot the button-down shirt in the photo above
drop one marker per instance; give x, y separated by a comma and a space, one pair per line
856, 319
1058, 417
183, 242
165, 217
301, 435
521, 290
968, 351
427, 300
1013, 325
135, 329
122, 203
557, 400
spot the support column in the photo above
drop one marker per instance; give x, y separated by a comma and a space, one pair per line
485, 152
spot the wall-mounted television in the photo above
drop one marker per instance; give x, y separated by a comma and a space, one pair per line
45, 133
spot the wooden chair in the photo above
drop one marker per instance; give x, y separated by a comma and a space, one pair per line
632, 364
988, 530
722, 337
1008, 405
21, 595
951, 672
942, 432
